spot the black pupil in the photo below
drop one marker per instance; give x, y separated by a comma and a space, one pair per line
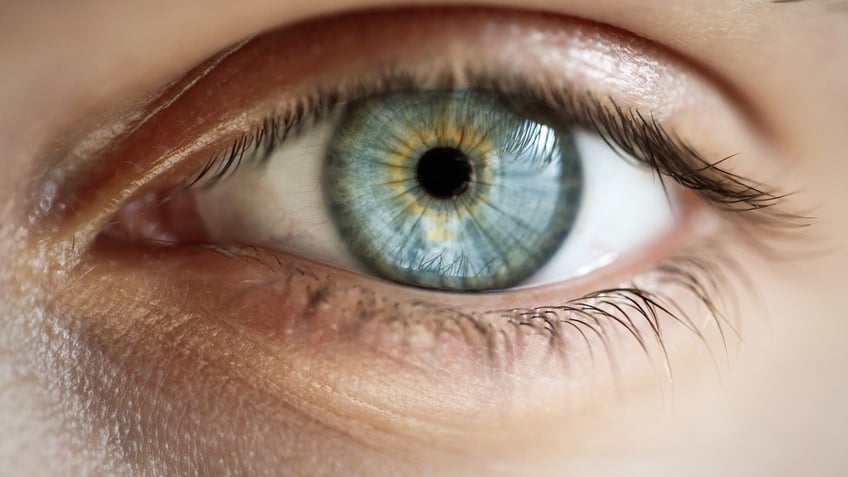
444, 172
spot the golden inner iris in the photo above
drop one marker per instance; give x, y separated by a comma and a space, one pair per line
441, 215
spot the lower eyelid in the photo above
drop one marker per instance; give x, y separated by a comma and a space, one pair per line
294, 327
347, 300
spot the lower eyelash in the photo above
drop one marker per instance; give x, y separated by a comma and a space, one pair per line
637, 310
640, 310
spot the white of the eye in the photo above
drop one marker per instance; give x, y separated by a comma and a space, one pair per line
281, 205
623, 209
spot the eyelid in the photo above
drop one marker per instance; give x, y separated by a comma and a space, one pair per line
220, 108
277, 67
621, 79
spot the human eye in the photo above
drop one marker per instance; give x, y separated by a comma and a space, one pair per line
588, 209
458, 189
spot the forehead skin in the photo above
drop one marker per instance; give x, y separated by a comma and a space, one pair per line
70, 66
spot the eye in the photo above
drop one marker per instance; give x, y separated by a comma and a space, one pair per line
458, 190
318, 190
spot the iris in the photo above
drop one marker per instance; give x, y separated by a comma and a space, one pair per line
460, 190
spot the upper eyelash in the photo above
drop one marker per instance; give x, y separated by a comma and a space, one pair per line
629, 131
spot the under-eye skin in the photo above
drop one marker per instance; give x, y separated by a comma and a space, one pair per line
673, 279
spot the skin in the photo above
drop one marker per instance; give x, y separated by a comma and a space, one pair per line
108, 367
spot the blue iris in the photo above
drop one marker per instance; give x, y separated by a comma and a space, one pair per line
458, 190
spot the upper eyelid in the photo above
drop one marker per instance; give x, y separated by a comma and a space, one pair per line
265, 17
146, 167
639, 133
762, 215
620, 126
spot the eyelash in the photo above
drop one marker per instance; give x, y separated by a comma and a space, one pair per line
627, 130
495, 336
751, 208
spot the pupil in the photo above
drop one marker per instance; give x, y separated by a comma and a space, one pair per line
444, 172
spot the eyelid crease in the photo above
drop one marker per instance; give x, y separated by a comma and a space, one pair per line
632, 131
330, 48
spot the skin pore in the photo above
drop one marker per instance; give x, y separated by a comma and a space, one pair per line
118, 362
